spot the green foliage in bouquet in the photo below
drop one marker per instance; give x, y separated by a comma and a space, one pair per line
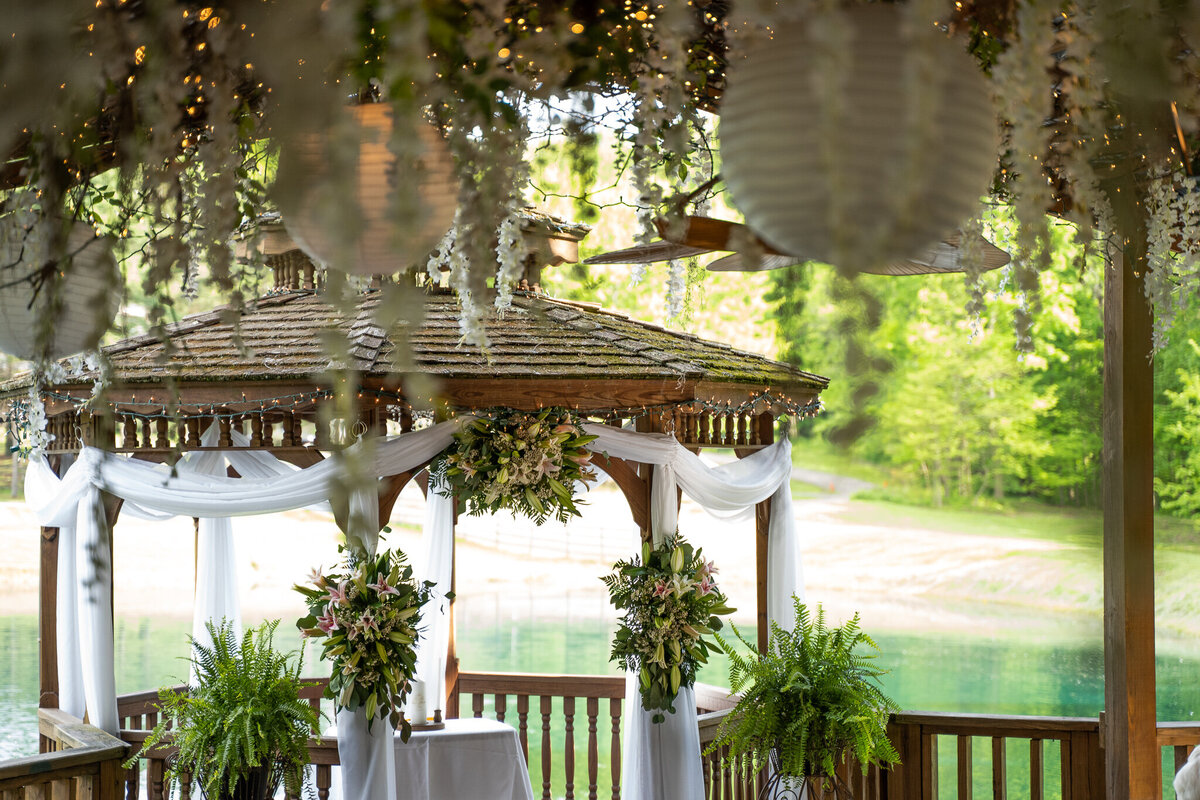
671, 603
522, 461
368, 617
244, 712
810, 701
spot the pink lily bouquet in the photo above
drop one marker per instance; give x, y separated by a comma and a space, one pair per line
523, 461
671, 603
368, 617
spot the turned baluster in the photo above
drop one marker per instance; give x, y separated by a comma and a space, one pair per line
193, 431
154, 777
224, 432
569, 745
129, 440
288, 440
256, 430
523, 723
547, 750
614, 712
133, 777
324, 780
593, 747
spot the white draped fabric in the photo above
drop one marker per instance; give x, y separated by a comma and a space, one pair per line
368, 761
436, 563
659, 761
70, 668
668, 762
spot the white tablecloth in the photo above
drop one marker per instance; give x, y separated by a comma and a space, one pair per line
479, 759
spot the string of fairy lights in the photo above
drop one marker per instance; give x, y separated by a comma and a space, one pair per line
19, 417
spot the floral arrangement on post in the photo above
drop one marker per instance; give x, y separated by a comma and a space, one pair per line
671, 603
808, 703
368, 617
523, 461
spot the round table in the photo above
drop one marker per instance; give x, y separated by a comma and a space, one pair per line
479, 759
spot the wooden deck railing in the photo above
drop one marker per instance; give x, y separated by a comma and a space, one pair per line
919, 736
1179, 738
79, 761
576, 721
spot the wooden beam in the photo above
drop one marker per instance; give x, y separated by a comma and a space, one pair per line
48, 620
48, 614
762, 529
635, 488
531, 394
1133, 769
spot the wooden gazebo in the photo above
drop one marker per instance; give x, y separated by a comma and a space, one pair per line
269, 377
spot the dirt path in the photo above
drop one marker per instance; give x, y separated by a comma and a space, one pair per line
840, 487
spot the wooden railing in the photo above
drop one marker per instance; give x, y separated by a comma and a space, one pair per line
1180, 738
79, 761
918, 737
555, 701
576, 721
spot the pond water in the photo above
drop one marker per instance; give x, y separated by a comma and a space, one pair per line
986, 671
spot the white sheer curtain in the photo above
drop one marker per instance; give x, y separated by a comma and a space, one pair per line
661, 760
436, 563
70, 669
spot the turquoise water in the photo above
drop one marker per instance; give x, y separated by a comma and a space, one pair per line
928, 671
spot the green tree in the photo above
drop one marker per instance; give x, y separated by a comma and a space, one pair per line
1179, 491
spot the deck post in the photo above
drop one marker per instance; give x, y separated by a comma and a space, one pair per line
48, 620
765, 423
48, 614
1133, 770
644, 424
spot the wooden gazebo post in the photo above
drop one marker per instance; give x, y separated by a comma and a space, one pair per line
1130, 732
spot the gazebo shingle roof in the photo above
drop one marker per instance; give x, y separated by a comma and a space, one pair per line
541, 349
537, 337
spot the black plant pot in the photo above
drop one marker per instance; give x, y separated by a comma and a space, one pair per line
259, 783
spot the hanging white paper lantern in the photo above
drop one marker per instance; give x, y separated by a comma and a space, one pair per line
377, 250
60, 312
899, 162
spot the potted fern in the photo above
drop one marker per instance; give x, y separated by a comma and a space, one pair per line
807, 704
243, 728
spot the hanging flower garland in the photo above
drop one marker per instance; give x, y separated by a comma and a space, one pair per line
671, 604
368, 618
521, 461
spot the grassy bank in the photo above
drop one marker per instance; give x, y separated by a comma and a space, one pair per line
1067, 574
1060, 570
